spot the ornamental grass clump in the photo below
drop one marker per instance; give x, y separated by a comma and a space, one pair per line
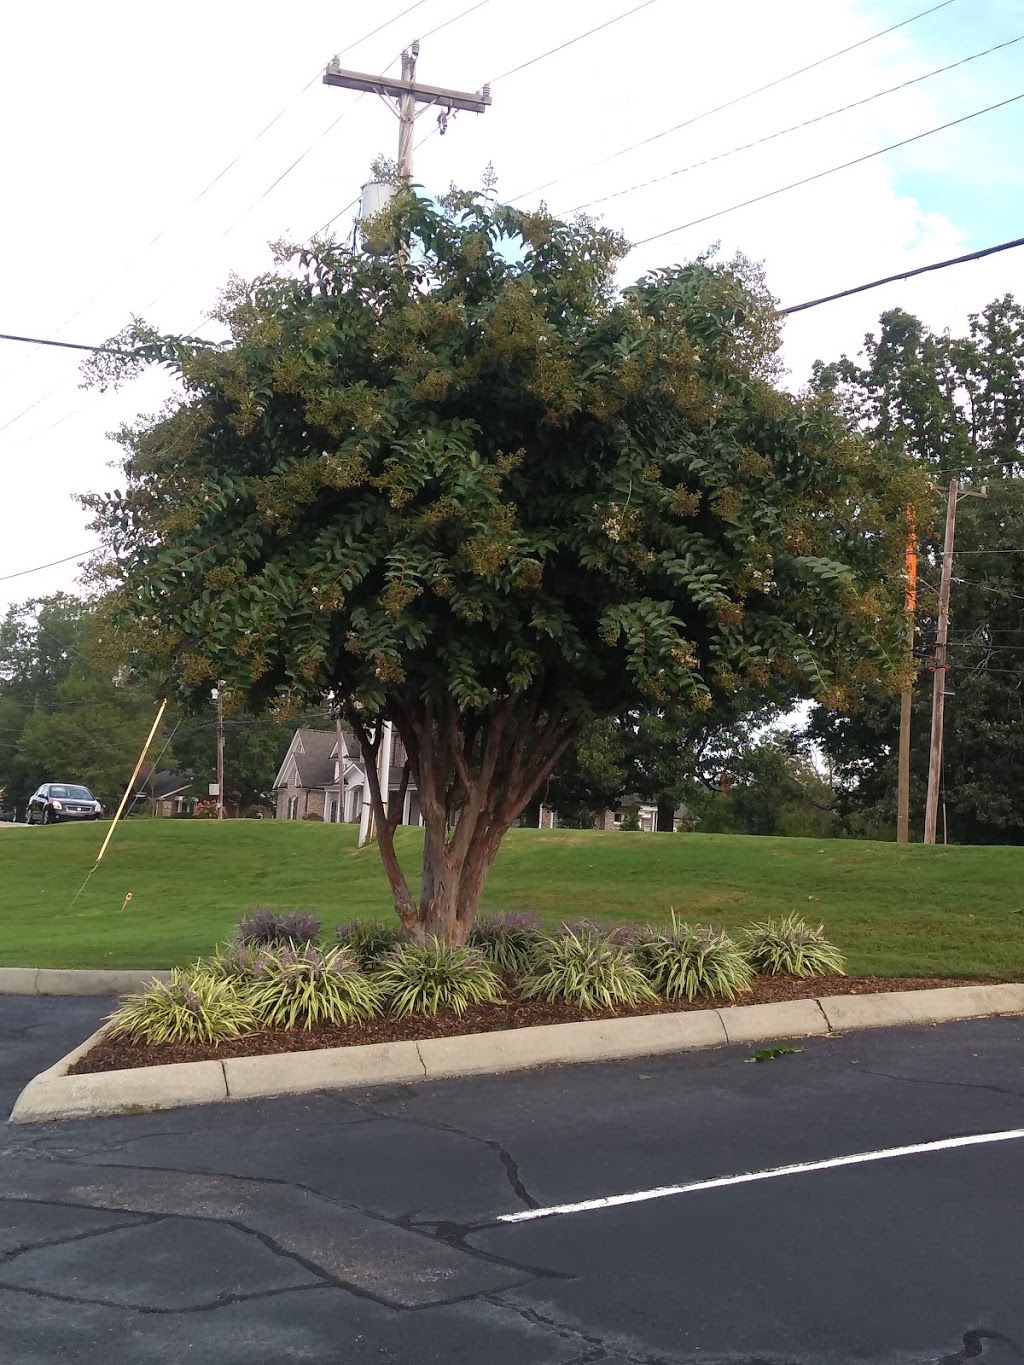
369, 940
790, 947
586, 970
193, 1007
430, 977
274, 928
303, 986
693, 959
235, 961
508, 939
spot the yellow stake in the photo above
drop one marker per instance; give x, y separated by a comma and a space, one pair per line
131, 784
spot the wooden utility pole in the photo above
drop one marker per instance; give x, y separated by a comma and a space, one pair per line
407, 94
220, 751
907, 698
931, 809
338, 815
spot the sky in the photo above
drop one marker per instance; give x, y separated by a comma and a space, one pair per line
152, 151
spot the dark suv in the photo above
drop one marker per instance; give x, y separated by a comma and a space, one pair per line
57, 801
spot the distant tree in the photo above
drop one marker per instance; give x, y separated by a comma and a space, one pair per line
64, 713
956, 404
465, 485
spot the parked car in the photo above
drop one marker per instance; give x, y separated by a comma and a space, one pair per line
56, 801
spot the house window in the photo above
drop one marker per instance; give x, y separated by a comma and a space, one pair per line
293, 808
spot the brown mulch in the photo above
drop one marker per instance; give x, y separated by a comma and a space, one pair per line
118, 1056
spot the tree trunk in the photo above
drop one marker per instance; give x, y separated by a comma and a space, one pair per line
666, 817
474, 774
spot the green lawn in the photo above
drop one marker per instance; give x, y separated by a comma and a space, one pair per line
911, 910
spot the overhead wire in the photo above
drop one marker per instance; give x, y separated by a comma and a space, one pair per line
905, 275
738, 99
22, 573
831, 170
209, 186
795, 127
570, 42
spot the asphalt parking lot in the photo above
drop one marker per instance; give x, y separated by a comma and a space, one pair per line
442, 1223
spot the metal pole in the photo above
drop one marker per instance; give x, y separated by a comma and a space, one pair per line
220, 753
907, 698
939, 680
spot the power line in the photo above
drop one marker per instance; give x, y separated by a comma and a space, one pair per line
532, 61
795, 127
513, 71
729, 104
906, 275
207, 188
831, 170
53, 562
66, 345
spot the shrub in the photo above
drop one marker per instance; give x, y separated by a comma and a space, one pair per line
585, 970
508, 939
693, 959
423, 979
235, 961
303, 986
369, 940
583, 928
205, 810
313, 815
194, 1007
268, 927
790, 946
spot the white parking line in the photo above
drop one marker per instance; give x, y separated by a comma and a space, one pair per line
800, 1168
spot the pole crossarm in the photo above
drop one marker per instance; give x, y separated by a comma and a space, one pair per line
474, 102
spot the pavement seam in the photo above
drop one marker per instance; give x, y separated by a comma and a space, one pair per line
927, 1080
423, 1064
227, 1088
138, 1220
224, 1302
824, 1016
508, 1161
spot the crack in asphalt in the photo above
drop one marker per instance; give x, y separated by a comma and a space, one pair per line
927, 1080
508, 1161
593, 1348
222, 1300
138, 1220
974, 1345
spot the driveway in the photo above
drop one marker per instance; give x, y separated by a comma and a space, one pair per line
535, 1219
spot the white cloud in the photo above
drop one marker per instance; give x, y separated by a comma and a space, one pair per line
120, 127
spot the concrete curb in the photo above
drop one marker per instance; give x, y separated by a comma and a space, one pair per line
53, 1094
74, 981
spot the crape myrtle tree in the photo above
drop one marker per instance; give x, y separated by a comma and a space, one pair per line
466, 486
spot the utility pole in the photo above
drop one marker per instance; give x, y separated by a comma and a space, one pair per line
338, 816
906, 700
407, 93
931, 809
220, 751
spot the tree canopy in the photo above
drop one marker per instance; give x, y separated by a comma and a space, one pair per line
466, 485
956, 404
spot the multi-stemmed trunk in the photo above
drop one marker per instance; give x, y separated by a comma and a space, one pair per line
474, 772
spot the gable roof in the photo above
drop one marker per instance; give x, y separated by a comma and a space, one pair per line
311, 752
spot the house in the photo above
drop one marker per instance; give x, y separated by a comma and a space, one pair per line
646, 817
314, 779
166, 794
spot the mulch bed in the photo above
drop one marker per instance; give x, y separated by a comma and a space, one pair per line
119, 1056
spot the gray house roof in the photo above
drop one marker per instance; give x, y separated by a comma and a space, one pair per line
312, 753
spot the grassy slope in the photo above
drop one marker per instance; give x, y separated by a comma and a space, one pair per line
894, 910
